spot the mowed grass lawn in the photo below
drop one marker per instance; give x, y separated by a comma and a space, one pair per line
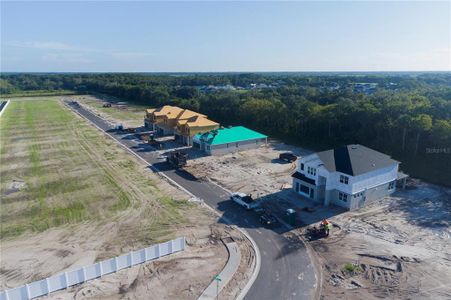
56, 169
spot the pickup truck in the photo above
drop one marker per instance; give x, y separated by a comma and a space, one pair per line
244, 200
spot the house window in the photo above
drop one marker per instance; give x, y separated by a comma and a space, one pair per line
208, 147
344, 179
236, 145
302, 167
305, 189
391, 185
311, 171
343, 197
227, 145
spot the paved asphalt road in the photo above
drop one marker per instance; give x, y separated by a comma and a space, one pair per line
286, 271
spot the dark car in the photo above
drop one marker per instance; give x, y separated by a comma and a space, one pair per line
268, 220
74, 103
288, 156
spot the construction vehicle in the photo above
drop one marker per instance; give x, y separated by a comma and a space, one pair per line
177, 159
318, 232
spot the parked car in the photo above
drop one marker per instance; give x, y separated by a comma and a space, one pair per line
244, 200
74, 103
288, 156
268, 219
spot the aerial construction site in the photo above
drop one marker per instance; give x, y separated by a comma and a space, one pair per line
395, 246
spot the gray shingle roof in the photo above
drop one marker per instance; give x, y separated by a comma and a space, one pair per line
354, 160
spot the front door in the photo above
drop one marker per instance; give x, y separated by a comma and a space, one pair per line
312, 193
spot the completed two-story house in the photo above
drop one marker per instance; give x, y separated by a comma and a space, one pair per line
349, 176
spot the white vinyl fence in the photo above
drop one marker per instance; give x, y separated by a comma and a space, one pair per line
67, 279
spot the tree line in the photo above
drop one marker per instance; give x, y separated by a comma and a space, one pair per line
405, 115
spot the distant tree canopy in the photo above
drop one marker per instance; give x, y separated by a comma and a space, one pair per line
405, 115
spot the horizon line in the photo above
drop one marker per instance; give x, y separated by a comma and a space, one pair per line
222, 72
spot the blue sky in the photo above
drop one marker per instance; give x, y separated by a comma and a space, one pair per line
225, 36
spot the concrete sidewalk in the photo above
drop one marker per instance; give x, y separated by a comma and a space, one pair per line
226, 274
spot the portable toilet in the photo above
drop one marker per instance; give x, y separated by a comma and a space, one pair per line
290, 216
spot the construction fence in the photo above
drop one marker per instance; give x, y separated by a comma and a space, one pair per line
83, 274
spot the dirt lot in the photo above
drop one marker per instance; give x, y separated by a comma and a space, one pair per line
167, 277
398, 247
71, 197
128, 114
256, 171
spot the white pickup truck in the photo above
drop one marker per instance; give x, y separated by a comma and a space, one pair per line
244, 200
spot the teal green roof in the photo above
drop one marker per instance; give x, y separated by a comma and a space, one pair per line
229, 135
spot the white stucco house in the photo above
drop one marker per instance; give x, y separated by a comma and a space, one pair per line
349, 176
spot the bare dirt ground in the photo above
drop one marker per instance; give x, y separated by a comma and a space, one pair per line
256, 171
179, 276
398, 247
157, 211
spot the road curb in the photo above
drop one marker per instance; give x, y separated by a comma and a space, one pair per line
257, 261
314, 259
233, 262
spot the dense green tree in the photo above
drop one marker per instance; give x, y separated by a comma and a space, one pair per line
404, 113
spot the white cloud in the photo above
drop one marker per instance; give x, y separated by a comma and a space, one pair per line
40, 45
60, 48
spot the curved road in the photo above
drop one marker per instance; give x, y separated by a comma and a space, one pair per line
286, 271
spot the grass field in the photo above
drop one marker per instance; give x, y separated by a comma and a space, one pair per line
56, 170
37, 93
